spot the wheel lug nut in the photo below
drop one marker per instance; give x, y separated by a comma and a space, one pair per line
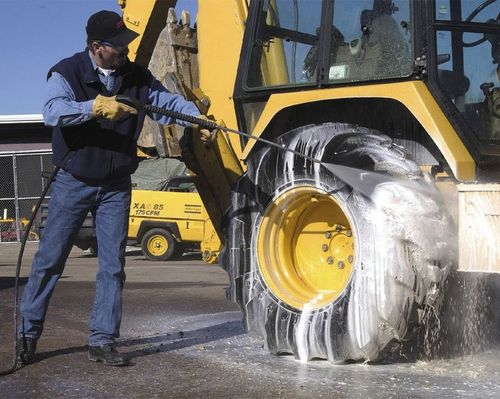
350, 258
328, 234
324, 247
330, 260
338, 228
348, 233
341, 265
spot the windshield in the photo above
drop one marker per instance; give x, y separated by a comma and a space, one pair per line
468, 62
368, 40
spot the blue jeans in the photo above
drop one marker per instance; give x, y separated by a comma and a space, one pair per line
70, 202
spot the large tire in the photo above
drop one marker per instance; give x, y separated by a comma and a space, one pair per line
319, 269
158, 245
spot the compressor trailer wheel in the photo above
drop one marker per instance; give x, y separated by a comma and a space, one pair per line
322, 271
158, 244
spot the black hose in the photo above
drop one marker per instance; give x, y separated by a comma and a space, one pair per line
24, 239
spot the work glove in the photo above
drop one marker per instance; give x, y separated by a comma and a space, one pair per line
206, 135
109, 108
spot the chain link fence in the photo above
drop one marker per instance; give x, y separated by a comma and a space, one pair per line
21, 183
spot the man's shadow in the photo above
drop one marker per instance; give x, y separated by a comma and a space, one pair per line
163, 343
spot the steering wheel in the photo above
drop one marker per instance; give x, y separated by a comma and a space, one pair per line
471, 16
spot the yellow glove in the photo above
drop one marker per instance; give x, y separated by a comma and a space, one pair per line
109, 108
206, 135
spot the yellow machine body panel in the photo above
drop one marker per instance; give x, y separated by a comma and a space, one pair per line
220, 33
414, 95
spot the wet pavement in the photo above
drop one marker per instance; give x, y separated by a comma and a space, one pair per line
186, 341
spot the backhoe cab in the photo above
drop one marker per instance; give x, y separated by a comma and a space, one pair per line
407, 89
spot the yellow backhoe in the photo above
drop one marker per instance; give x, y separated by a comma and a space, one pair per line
406, 89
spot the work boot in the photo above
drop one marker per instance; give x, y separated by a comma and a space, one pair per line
26, 348
108, 355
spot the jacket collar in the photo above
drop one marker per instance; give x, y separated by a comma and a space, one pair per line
90, 69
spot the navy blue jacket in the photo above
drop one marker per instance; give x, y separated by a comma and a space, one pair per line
99, 149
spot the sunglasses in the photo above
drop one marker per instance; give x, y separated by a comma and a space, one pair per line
108, 44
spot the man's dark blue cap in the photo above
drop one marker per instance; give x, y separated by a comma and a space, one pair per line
108, 26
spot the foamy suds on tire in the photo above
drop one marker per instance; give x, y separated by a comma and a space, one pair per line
406, 253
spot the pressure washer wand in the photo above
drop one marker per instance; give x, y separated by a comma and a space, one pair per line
206, 124
362, 180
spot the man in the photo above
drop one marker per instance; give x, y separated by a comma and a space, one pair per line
94, 144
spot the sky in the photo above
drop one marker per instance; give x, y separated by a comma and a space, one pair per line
35, 35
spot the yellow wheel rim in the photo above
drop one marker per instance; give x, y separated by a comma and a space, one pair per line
305, 248
157, 245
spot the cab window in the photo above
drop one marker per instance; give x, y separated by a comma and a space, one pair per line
468, 62
367, 40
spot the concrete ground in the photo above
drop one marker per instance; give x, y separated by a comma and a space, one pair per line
186, 341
